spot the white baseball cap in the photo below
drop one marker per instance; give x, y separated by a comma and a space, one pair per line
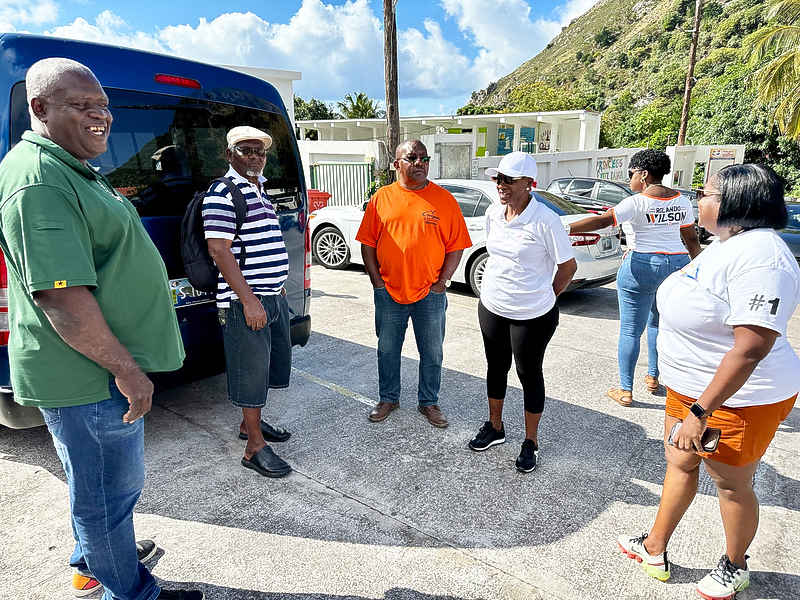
244, 132
516, 164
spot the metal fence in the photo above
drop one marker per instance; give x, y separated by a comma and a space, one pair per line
347, 183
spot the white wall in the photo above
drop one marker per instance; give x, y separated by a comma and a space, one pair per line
314, 151
684, 159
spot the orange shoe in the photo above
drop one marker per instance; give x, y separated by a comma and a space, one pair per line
651, 383
83, 585
621, 397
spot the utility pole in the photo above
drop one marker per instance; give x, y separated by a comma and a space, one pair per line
690, 80
390, 75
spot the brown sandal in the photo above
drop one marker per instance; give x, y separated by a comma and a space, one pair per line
651, 383
621, 397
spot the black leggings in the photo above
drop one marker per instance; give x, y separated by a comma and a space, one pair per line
528, 341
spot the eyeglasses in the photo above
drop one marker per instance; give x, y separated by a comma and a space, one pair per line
412, 158
500, 178
631, 172
248, 150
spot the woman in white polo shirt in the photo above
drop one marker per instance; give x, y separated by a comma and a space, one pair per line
517, 312
723, 350
660, 233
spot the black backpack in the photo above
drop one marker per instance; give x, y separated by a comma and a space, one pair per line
200, 268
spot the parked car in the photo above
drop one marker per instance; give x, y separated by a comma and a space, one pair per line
694, 196
791, 235
595, 195
334, 228
167, 142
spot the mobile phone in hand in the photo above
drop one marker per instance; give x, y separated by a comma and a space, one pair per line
709, 441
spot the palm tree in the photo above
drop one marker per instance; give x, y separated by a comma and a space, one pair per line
779, 79
360, 106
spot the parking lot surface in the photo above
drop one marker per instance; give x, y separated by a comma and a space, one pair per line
399, 510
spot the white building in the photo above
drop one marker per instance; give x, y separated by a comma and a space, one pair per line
463, 146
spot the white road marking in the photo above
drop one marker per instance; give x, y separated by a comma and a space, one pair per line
335, 387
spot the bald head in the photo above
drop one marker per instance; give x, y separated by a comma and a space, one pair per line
410, 147
48, 76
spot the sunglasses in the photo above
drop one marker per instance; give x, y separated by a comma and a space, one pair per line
249, 150
412, 158
631, 172
500, 178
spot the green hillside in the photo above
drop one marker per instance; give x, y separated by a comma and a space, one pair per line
628, 59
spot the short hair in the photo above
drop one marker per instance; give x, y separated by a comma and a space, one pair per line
655, 162
407, 144
751, 196
44, 76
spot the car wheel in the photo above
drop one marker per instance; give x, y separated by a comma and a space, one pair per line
476, 270
330, 248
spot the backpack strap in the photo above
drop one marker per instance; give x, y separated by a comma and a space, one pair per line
240, 208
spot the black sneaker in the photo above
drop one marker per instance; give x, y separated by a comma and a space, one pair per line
526, 461
181, 595
487, 437
145, 550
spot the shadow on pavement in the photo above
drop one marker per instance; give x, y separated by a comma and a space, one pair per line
227, 593
400, 482
598, 303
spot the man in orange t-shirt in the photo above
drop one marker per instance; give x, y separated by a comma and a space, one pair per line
412, 237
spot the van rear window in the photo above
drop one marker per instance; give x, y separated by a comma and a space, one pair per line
163, 148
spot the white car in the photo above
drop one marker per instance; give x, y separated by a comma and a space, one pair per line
334, 228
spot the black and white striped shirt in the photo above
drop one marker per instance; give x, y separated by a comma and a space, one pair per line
266, 263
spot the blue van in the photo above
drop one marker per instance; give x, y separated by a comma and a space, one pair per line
167, 142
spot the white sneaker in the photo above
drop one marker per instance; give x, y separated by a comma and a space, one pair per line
656, 566
724, 580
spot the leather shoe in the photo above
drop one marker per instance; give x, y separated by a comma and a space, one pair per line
434, 415
267, 463
270, 433
381, 411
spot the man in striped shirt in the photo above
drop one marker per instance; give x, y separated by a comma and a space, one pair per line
251, 300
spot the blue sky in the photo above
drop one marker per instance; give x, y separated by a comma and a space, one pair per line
447, 48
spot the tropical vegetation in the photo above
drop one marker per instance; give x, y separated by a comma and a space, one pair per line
628, 60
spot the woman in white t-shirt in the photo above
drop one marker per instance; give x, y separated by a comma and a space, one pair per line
530, 263
660, 233
723, 350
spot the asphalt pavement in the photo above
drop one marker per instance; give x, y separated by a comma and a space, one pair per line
399, 510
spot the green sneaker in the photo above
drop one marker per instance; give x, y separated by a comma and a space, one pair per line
655, 566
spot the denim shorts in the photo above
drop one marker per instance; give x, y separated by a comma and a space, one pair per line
256, 360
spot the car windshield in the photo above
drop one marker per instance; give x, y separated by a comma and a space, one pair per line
558, 205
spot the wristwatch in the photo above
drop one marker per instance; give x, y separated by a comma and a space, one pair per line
698, 411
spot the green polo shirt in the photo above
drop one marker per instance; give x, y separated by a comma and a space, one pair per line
61, 225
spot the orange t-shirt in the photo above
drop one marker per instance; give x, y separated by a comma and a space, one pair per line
412, 230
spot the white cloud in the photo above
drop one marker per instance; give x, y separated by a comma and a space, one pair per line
16, 13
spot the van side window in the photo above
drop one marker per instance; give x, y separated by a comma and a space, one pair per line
164, 148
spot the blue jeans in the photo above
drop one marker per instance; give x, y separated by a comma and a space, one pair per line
391, 321
103, 459
638, 279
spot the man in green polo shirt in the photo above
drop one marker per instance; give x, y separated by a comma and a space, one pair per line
90, 313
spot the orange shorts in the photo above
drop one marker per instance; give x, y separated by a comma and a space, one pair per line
746, 431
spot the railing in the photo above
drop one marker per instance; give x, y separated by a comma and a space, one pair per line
347, 183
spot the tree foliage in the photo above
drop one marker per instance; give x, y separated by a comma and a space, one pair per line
312, 110
360, 106
541, 97
777, 48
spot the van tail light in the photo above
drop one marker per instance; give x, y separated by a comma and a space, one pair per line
177, 80
307, 265
3, 301
584, 239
